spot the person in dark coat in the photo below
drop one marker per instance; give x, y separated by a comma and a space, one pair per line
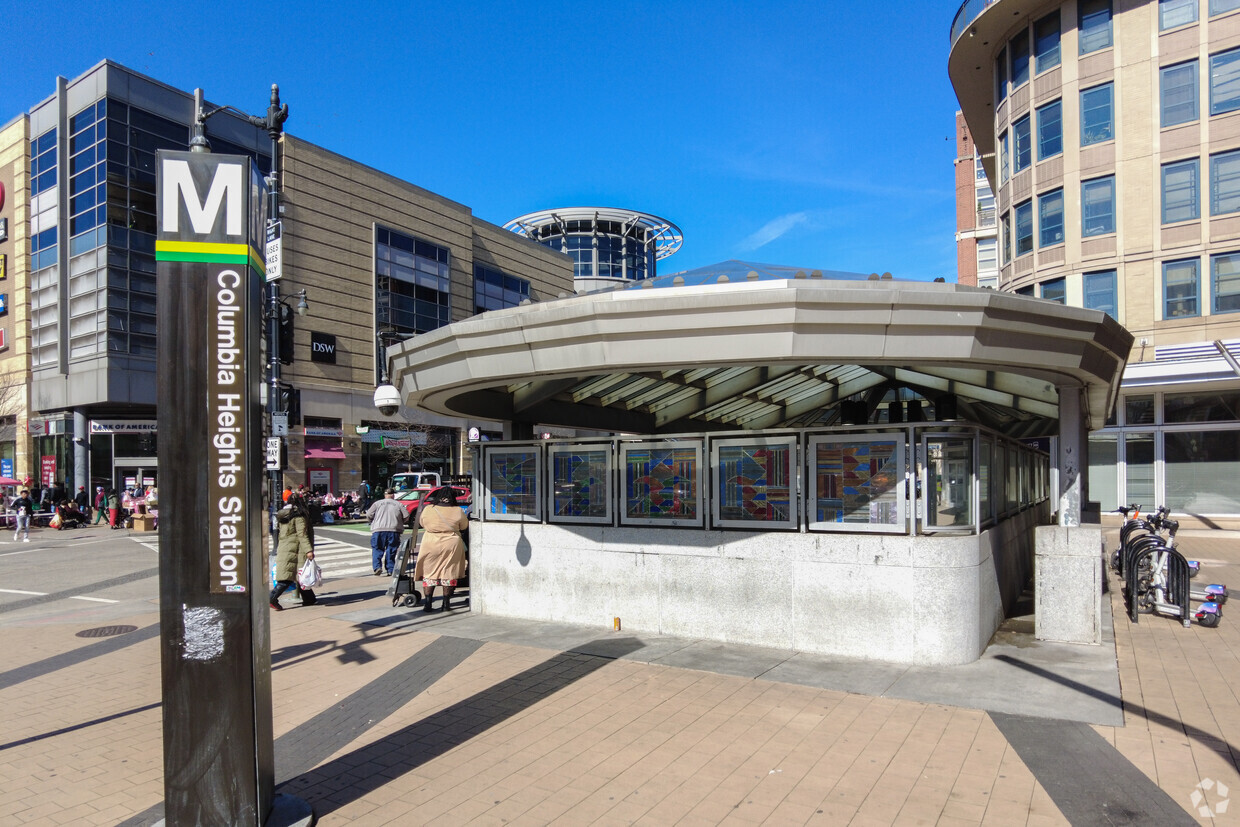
83, 502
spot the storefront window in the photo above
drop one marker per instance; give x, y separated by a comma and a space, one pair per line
1203, 471
1139, 470
1103, 483
1139, 410
1215, 406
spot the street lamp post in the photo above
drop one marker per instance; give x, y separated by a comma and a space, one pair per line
273, 122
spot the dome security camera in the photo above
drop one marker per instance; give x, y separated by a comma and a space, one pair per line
387, 399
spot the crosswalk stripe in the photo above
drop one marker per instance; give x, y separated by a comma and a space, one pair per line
335, 557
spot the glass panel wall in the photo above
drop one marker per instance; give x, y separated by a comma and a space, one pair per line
755, 478
662, 483
512, 484
949, 482
858, 481
581, 483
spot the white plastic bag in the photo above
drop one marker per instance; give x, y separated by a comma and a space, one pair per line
310, 576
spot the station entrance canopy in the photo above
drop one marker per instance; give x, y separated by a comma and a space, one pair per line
769, 354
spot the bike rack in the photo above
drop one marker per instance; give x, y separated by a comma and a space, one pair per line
1177, 590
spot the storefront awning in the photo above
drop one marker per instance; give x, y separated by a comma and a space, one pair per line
321, 448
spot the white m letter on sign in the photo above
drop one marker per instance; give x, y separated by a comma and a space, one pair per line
179, 187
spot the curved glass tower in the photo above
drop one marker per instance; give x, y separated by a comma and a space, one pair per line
610, 247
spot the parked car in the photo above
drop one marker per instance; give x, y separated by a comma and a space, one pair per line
411, 499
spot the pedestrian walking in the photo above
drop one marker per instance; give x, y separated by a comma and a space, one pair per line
441, 554
363, 495
101, 497
387, 521
23, 507
112, 501
295, 545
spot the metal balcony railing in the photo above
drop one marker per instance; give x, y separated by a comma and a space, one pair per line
986, 218
969, 10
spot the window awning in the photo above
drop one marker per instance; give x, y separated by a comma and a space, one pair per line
323, 448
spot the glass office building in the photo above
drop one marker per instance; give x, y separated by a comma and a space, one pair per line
92, 266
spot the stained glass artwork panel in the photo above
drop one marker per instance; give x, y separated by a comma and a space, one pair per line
755, 482
512, 482
661, 483
580, 483
859, 483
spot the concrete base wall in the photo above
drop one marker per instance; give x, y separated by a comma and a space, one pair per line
910, 600
1068, 584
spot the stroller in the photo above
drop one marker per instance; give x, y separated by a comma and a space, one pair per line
67, 516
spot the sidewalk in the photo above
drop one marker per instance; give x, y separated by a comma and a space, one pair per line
389, 716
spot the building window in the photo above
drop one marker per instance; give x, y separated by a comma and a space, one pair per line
1225, 283
1225, 183
1007, 237
1172, 13
1098, 206
1003, 158
1050, 219
1181, 286
1050, 130
1024, 228
1094, 25
1055, 290
1177, 87
1222, 6
495, 289
1097, 115
43, 162
1046, 42
1100, 292
1019, 49
1027, 290
1022, 145
413, 292
1224, 82
1179, 192
987, 254
1001, 76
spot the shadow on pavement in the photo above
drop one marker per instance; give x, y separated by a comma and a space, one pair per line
1208, 739
338, 782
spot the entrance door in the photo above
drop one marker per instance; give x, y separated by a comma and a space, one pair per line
138, 474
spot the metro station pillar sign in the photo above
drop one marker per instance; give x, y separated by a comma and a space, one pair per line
214, 628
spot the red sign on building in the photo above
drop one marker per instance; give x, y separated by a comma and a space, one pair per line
47, 472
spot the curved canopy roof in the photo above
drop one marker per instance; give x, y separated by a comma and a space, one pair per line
765, 354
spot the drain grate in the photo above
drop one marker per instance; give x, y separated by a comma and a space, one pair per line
107, 631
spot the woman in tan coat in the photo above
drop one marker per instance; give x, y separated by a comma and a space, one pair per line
441, 552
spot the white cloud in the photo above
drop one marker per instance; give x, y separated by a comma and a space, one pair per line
772, 230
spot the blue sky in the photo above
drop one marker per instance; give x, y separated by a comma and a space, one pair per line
813, 134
